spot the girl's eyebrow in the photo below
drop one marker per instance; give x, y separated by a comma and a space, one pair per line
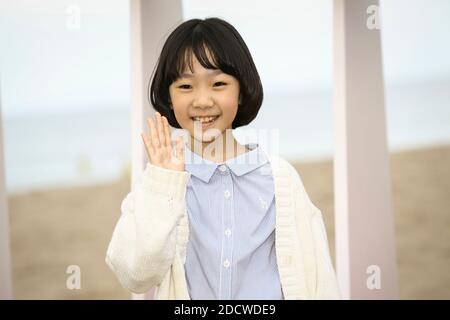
212, 73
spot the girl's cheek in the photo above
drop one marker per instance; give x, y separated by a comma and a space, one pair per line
230, 104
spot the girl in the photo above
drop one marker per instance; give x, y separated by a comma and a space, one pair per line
216, 219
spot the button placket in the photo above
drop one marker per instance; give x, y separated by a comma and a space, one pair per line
227, 243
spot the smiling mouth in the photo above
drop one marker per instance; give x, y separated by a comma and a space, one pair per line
205, 123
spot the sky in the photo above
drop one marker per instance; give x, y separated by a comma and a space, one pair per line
51, 61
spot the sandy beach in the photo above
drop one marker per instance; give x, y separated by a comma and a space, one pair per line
53, 229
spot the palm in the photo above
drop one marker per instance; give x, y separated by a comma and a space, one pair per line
159, 145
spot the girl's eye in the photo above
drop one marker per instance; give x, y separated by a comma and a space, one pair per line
187, 86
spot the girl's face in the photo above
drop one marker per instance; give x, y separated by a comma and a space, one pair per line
205, 93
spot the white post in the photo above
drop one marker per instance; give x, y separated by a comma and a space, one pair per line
5, 255
365, 240
150, 24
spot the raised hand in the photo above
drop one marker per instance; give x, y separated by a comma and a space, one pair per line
159, 145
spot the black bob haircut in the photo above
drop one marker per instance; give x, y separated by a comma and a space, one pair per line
229, 53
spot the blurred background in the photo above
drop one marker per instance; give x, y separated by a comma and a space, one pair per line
65, 75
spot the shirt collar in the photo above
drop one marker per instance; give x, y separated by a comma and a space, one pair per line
239, 165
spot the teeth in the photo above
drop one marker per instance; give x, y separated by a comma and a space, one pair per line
204, 119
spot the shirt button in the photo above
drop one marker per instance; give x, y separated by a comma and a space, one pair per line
226, 263
263, 203
222, 168
227, 194
228, 232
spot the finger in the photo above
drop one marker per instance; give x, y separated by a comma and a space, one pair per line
153, 133
160, 129
146, 143
167, 132
148, 146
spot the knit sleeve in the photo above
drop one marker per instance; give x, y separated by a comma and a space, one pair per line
142, 247
327, 285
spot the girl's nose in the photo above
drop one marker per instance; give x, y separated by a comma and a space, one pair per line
203, 98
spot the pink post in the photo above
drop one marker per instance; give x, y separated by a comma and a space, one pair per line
365, 240
150, 23
5, 255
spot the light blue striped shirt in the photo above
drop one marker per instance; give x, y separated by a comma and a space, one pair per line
231, 210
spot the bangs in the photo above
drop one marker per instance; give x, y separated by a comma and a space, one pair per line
207, 50
185, 60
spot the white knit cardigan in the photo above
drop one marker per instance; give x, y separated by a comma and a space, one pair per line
148, 245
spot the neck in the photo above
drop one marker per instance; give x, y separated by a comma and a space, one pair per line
220, 149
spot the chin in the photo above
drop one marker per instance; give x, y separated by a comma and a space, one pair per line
208, 135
